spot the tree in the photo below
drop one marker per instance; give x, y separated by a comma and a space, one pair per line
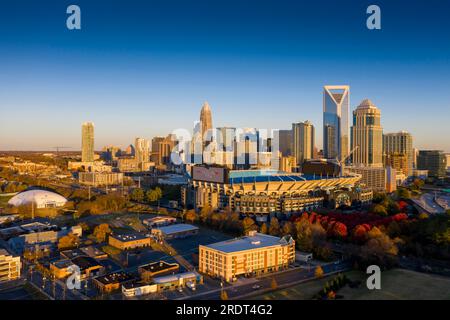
264, 228
68, 242
248, 224
318, 273
380, 210
223, 295
273, 284
274, 228
288, 228
205, 213
403, 193
339, 230
101, 231
154, 195
137, 195
191, 216
304, 235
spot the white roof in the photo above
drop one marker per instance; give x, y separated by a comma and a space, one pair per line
39, 197
176, 228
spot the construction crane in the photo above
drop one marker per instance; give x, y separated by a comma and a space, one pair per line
341, 162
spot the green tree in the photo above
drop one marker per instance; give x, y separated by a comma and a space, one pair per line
379, 209
137, 195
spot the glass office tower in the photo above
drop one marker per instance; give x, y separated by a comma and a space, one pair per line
336, 105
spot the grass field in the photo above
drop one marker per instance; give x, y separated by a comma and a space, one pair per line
396, 284
400, 284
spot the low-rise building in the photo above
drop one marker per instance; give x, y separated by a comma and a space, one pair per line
154, 269
60, 269
175, 231
97, 179
159, 221
254, 254
9, 266
175, 281
129, 241
112, 282
138, 288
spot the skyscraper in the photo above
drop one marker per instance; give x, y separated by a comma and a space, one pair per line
400, 143
367, 135
285, 140
142, 151
303, 141
434, 161
205, 121
87, 142
336, 101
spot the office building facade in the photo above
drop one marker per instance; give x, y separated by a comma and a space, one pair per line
303, 141
87, 142
400, 143
336, 106
367, 135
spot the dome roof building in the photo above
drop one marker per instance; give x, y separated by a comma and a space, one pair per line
40, 198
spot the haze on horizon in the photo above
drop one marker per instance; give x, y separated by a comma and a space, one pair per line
144, 69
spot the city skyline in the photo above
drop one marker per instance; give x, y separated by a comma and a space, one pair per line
275, 61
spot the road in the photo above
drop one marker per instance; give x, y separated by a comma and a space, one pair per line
428, 203
283, 279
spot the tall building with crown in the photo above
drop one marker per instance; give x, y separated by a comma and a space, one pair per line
336, 102
367, 135
206, 121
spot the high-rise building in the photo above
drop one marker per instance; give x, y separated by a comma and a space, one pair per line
142, 151
400, 143
285, 141
397, 161
434, 161
225, 138
87, 142
336, 105
206, 122
367, 135
303, 141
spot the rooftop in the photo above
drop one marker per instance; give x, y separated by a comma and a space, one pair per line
116, 277
258, 240
85, 262
252, 176
175, 228
175, 277
158, 266
128, 237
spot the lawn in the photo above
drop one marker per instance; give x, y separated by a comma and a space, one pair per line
396, 284
400, 284
303, 291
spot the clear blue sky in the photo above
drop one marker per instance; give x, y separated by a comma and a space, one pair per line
144, 68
